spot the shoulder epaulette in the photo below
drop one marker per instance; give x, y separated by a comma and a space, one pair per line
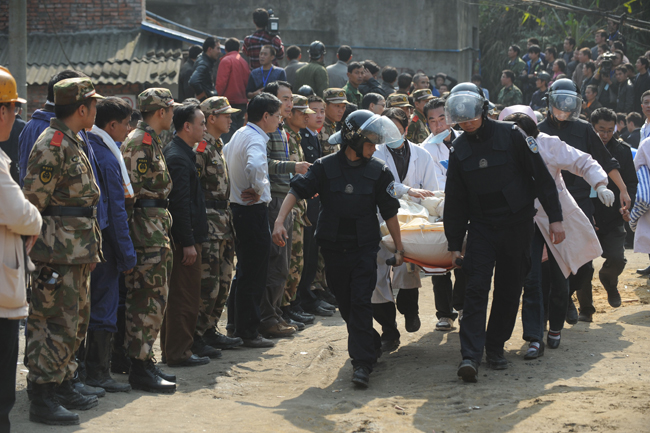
201, 147
415, 118
57, 139
146, 139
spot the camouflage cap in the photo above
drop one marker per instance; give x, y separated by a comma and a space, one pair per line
73, 90
155, 98
335, 96
300, 103
398, 100
217, 105
422, 94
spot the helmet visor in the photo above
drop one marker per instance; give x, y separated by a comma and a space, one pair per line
565, 106
463, 107
381, 130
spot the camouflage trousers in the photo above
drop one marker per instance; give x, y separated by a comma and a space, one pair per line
319, 280
216, 275
296, 263
58, 319
147, 288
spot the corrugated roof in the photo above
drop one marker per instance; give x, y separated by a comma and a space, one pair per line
124, 57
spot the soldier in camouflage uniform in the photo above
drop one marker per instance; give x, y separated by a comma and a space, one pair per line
59, 181
400, 100
418, 131
218, 252
335, 103
150, 224
297, 121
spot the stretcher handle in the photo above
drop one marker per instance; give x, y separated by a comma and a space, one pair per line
392, 261
459, 262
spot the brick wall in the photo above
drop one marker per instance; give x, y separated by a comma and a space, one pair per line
38, 94
77, 15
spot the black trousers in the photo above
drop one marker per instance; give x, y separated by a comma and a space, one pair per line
613, 243
305, 297
8, 359
252, 247
447, 296
506, 252
352, 275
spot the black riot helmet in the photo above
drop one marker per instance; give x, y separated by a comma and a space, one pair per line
317, 50
364, 125
465, 102
305, 90
544, 76
564, 101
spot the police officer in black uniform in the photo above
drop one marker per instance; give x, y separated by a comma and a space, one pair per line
351, 185
493, 178
564, 104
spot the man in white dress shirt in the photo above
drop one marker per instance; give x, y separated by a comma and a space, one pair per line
250, 194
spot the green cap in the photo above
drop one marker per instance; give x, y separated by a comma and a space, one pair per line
155, 98
398, 100
335, 96
73, 90
217, 105
301, 103
421, 94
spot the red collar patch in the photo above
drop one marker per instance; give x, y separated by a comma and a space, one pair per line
201, 147
146, 139
57, 138
415, 118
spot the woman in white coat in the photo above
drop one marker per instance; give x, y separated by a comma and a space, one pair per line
414, 175
581, 244
18, 218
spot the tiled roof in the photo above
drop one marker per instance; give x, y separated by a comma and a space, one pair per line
117, 57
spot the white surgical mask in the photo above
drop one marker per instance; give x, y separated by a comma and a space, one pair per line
397, 143
439, 138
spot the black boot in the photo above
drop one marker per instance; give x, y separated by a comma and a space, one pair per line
46, 409
86, 390
216, 339
120, 363
143, 376
98, 355
70, 398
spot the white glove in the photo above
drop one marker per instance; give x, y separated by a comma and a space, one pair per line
605, 195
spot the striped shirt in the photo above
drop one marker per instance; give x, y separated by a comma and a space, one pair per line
642, 202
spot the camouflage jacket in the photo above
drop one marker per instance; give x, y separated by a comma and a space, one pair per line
216, 186
59, 174
296, 154
142, 152
328, 129
417, 131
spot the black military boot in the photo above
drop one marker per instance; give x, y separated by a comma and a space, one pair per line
70, 398
46, 409
98, 355
86, 390
120, 363
216, 339
143, 376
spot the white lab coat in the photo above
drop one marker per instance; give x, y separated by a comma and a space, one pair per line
642, 232
439, 152
420, 175
581, 244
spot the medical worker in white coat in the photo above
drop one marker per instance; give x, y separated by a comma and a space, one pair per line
640, 217
581, 244
414, 175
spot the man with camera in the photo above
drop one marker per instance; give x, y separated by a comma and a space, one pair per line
262, 36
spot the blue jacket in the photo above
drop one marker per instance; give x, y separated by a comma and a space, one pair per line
117, 233
39, 123
102, 205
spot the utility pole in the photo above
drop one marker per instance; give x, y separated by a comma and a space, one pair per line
18, 46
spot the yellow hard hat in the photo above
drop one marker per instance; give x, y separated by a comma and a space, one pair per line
8, 92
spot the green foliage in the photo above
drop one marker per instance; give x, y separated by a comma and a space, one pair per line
507, 22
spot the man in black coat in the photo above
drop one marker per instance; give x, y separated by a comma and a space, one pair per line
202, 80
189, 230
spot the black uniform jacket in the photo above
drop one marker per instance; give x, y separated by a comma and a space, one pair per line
493, 178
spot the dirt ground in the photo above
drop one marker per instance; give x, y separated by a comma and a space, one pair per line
598, 380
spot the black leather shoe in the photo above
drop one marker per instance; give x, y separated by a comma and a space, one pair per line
553, 343
216, 339
193, 361
361, 377
534, 352
144, 376
389, 345
571, 313
301, 326
468, 370
327, 305
614, 299
320, 311
412, 323
584, 317
158, 372
645, 271
258, 342
301, 317
327, 296
496, 361
200, 349
87, 390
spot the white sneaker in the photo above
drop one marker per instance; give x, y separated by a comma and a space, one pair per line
445, 324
